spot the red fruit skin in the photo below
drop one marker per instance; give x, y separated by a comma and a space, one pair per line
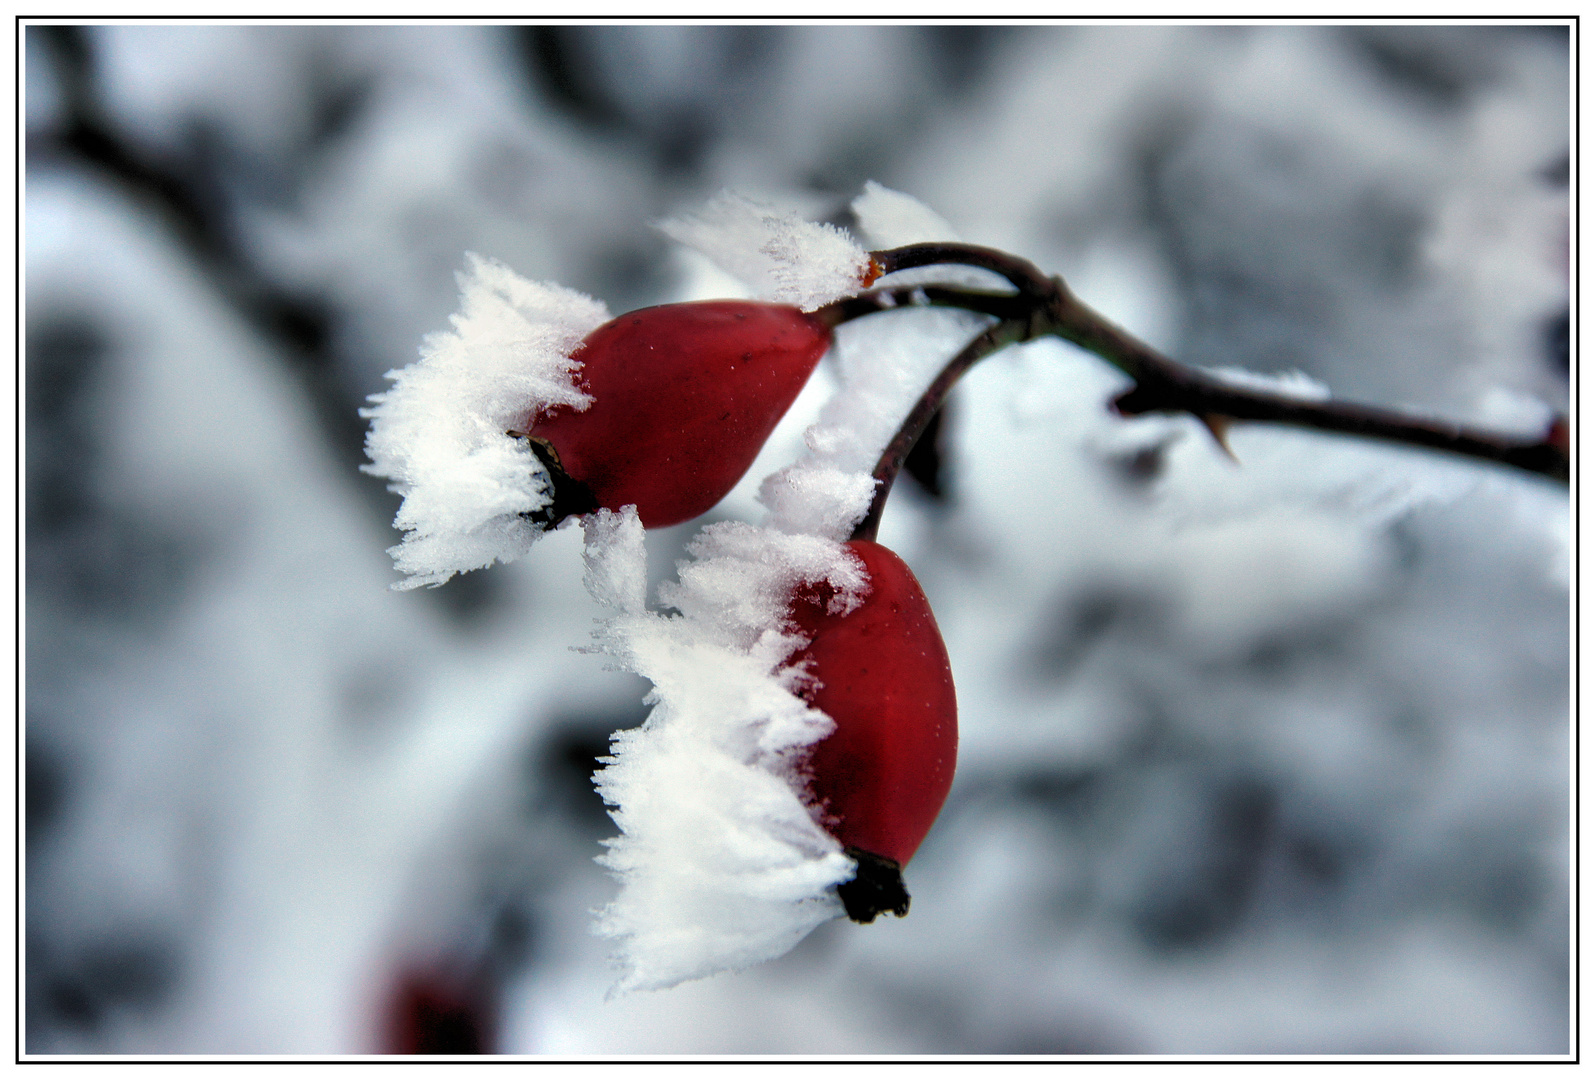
684, 396
882, 675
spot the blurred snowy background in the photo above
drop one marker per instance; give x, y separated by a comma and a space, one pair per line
1269, 758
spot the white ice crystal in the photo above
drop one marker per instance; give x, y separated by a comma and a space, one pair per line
440, 433
891, 219
780, 255
884, 364
721, 863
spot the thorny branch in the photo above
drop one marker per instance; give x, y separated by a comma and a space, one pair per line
1041, 306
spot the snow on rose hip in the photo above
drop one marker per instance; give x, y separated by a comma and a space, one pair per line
881, 673
683, 398
536, 406
803, 727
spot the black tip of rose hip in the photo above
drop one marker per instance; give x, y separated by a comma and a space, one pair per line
876, 887
570, 496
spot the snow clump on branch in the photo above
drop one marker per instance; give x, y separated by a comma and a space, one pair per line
890, 218
883, 364
721, 859
784, 258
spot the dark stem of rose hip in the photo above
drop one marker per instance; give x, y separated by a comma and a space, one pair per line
995, 337
568, 497
1023, 275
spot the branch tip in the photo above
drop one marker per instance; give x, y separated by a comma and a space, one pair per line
872, 272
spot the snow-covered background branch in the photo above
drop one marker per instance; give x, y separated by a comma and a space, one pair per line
1269, 758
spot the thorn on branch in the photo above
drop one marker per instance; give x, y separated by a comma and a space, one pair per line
1218, 426
1041, 306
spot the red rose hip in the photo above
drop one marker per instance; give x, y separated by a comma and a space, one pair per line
881, 673
684, 396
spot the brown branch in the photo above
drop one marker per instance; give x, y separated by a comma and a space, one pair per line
1162, 385
1002, 305
995, 337
1023, 275
1044, 305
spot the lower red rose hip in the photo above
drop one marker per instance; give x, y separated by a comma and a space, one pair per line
684, 396
881, 673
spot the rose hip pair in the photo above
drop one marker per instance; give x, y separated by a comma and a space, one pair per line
684, 396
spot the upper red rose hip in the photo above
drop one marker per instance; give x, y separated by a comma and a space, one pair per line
881, 673
684, 396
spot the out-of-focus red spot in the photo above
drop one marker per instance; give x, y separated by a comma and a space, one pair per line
429, 1015
1560, 436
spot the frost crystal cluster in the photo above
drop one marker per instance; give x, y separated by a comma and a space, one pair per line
440, 435
721, 862
784, 258
883, 365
